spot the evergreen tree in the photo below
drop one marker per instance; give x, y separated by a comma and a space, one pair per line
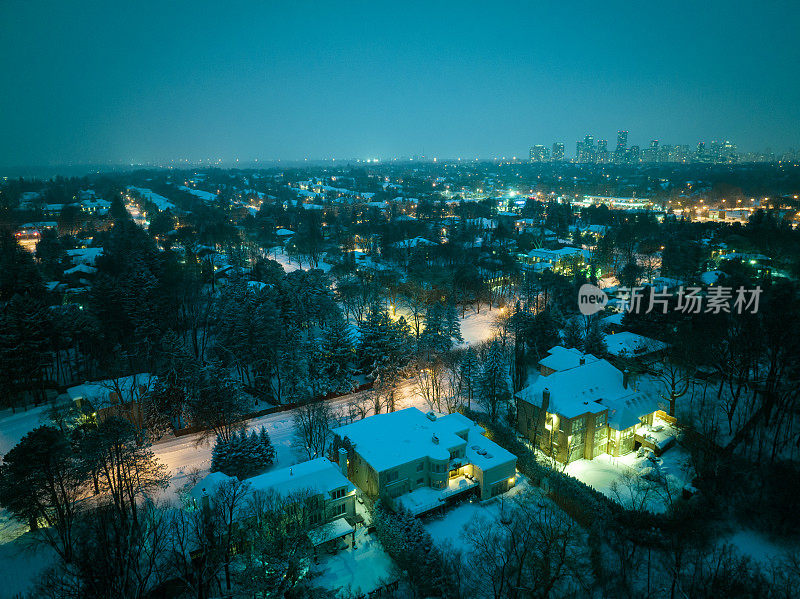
338, 355
469, 371
435, 337
493, 389
453, 323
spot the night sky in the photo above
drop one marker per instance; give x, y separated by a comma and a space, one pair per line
109, 82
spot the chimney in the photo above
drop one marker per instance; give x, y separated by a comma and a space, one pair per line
545, 398
625, 375
343, 461
290, 472
583, 360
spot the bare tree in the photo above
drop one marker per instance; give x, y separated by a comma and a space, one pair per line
535, 551
312, 424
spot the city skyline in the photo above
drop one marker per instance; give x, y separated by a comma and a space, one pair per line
112, 83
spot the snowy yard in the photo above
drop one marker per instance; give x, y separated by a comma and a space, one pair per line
449, 527
631, 475
357, 571
757, 547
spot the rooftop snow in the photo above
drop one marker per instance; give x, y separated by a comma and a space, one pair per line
591, 388
386, 441
627, 344
561, 358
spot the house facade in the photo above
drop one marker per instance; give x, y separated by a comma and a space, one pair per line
420, 461
578, 406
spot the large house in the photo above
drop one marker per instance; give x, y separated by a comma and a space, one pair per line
578, 406
317, 486
420, 461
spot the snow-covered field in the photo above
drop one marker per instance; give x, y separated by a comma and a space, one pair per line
603, 472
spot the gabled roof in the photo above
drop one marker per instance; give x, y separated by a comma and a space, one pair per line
590, 388
561, 358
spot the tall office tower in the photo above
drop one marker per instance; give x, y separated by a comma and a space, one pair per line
602, 151
539, 153
728, 153
558, 152
622, 147
634, 155
589, 149
700, 154
622, 140
580, 153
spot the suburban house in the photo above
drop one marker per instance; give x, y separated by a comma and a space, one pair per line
420, 461
316, 486
119, 397
578, 406
556, 260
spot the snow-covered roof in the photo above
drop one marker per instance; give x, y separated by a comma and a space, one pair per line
330, 531
561, 358
554, 255
206, 196
710, 277
102, 394
591, 388
319, 476
412, 243
284, 232
386, 441
613, 320
628, 345
85, 255
160, 201
83, 269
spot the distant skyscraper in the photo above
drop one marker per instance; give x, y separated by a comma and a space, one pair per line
586, 150
602, 151
558, 152
620, 152
634, 155
579, 151
539, 153
622, 141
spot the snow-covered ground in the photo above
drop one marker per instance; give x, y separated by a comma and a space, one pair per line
757, 547
477, 328
450, 526
605, 471
23, 560
291, 264
359, 570
14, 426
